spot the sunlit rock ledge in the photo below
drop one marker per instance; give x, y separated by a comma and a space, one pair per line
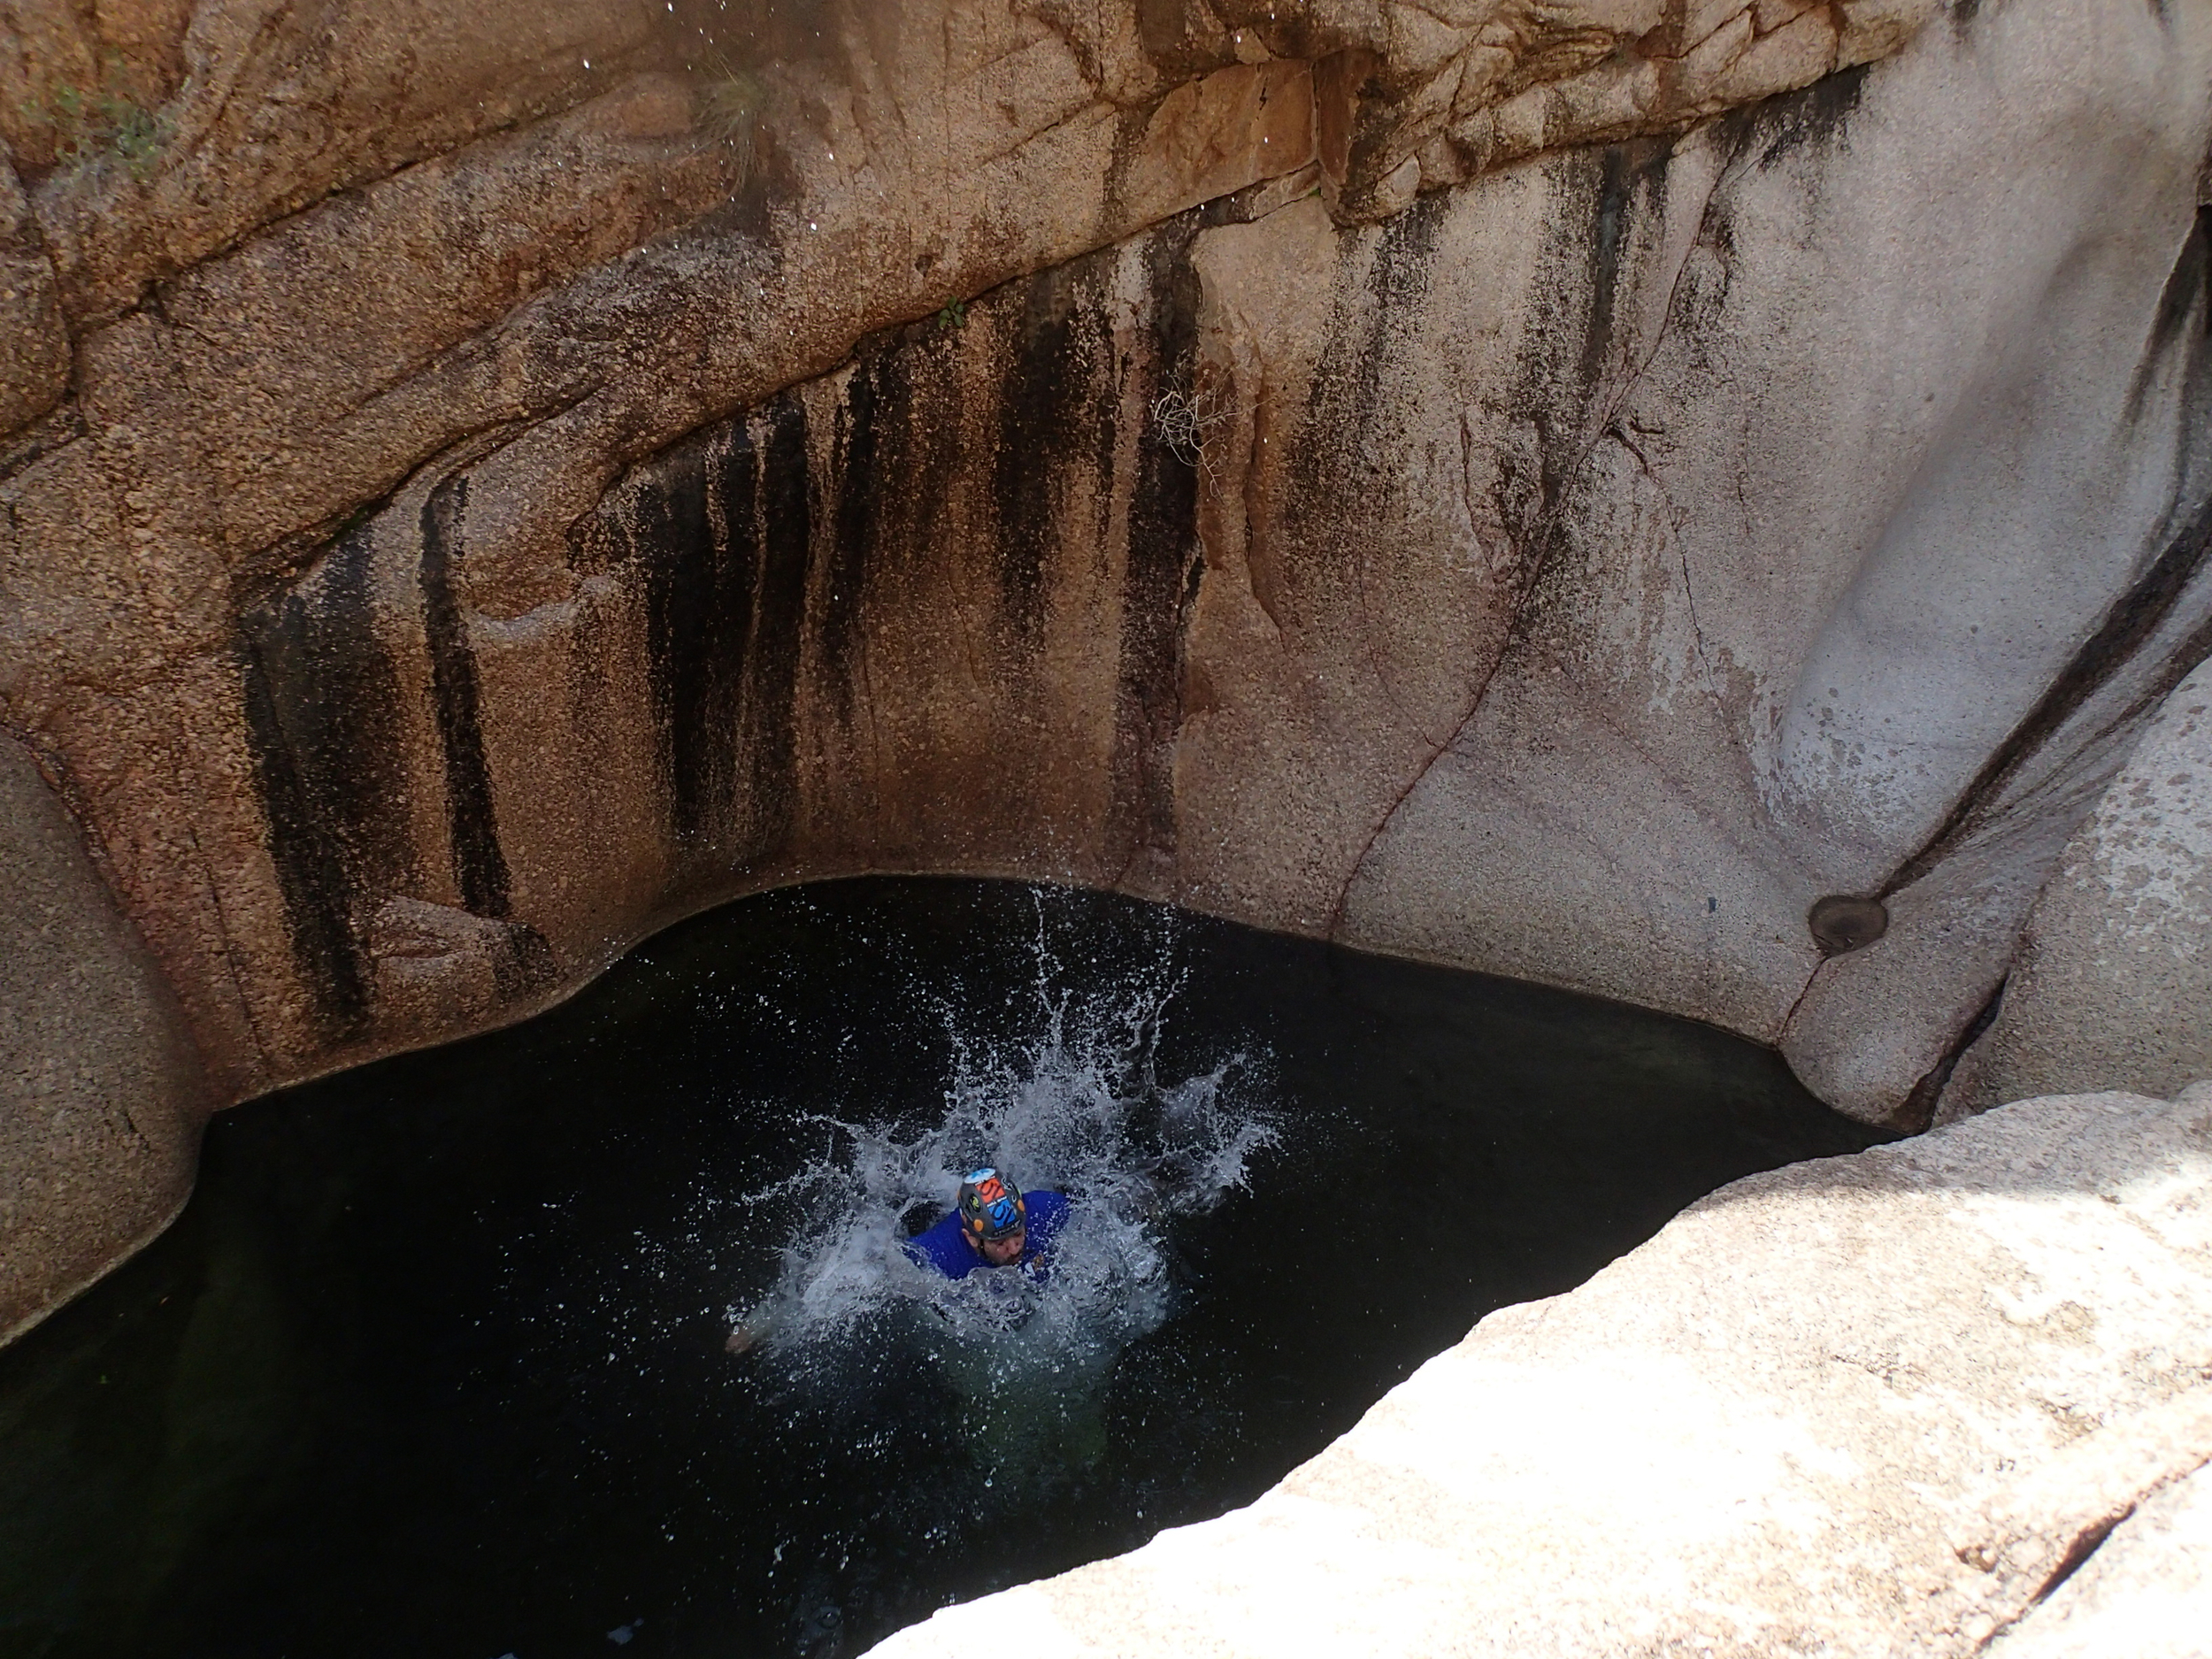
1952, 1396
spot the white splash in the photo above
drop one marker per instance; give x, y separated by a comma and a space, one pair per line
1074, 1104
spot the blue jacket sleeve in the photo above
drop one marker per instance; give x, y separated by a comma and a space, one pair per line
1046, 1211
942, 1248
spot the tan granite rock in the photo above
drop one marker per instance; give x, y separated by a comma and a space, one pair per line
1440, 94
101, 1095
284, 387
277, 106
34, 343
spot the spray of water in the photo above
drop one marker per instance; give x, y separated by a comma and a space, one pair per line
1072, 1100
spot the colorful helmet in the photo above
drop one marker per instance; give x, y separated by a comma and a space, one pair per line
991, 1205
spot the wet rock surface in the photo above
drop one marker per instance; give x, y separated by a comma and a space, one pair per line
1887, 1403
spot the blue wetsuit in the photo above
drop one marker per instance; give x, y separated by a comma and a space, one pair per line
943, 1247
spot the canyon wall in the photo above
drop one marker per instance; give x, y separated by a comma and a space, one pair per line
1556, 489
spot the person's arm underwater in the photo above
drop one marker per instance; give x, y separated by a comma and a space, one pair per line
943, 1248
749, 1331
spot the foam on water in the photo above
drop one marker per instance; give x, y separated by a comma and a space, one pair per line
1071, 1099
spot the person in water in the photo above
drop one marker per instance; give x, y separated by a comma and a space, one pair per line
993, 1224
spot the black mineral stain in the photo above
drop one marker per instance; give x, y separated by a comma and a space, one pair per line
1374, 314
698, 606
721, 525
1567, 359
2184, 306
1608, 229
472, 820
665, 522
779, 625
1161, 568
1629, 190
1041, 420
868, 482
1919, 1109
1817, 114
1574, 366
319, 700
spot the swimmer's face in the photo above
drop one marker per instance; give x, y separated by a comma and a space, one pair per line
1003, 1251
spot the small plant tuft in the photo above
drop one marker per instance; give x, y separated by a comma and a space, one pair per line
1183, 419
108, 128
953, 316
731, 101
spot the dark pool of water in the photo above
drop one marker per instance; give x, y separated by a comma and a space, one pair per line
432, 1363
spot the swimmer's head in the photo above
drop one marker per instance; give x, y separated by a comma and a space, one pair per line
993, 1216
